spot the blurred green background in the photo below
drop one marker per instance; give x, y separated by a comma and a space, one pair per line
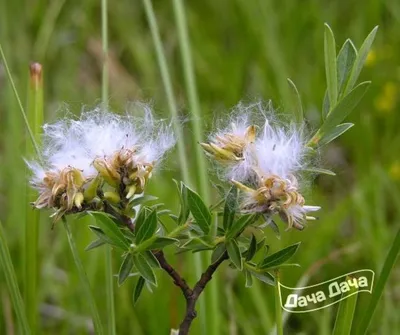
243, 50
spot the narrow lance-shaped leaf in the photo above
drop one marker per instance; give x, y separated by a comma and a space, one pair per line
138, 289
184, 210
340, 112
151, 259
101, 235
199, 211
239, 225
95, 244
360, 60
298, 110
330, 64
279, 257
234, 254
265, 277
140, 200
335, 133
251, 251
111, 229
144, 269
345, 61
321, 171
326, 105
218, 252
161, 242
148, 228
125, 269
230, 207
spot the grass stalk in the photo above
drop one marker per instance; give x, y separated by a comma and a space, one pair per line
31, 267
183, 161
380, 285
278, 308
12, 283
208, 304
191, 91
167, 82
21, 107
84, 280
104, 95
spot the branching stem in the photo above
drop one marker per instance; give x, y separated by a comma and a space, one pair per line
191, 295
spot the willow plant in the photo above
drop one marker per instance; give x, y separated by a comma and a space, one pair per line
100, 165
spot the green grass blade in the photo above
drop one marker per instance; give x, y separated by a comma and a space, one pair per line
209, 304
278, 308
345, 314
330, 65
380, 285
32, 220
21, 107
84, 280
12, 283
188, 71
166, 78
108, 268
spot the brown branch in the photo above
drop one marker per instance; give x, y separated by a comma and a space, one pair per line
197, 290
191, 295
178, 280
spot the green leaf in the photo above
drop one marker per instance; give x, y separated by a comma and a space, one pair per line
111, 230
151, 259
330, 64
279, 257
230, 207
195, 242
321, 171
272, 224
183, 199
161, 242
8, 272
141, 218
218, 252
125, 269
199, 211
345, 314
325, 105
298, 111
345, 61
251, 251
249, 278
335, 133
239, 225
95, 244
341, 111
144, 269
388, 265
138, 289
101, 235
148, 228
264, 277
234, 254
142, 199
360, 60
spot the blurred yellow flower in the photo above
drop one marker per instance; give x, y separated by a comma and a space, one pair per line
371, 58
394, 170
387, 100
